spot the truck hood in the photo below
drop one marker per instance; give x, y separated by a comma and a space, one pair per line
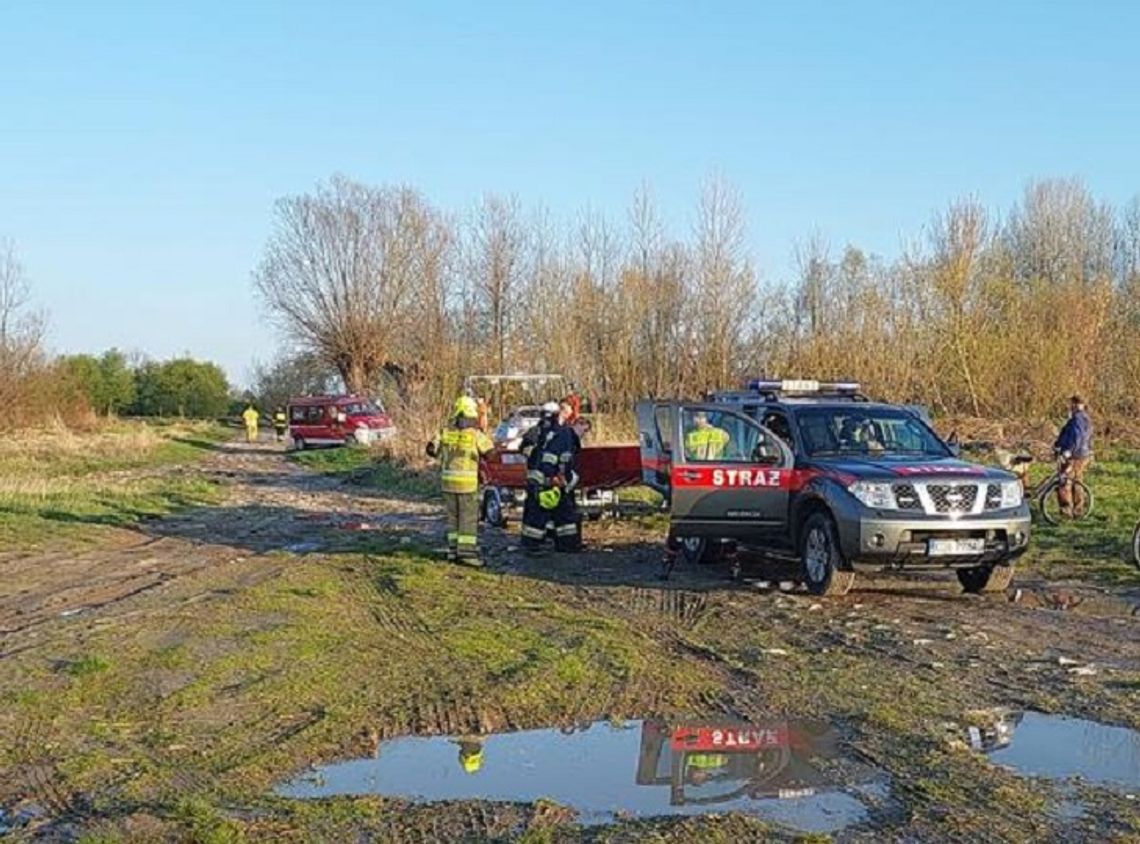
908, 467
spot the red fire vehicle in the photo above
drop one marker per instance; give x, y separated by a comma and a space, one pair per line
337, 420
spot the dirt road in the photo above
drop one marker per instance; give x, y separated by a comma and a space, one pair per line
210, 655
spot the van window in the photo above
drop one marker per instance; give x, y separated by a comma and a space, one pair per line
298, 414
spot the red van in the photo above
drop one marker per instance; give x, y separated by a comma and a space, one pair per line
337, 420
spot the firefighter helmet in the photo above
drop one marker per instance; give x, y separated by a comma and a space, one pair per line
466, 407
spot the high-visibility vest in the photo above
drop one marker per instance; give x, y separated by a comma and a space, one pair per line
250, 417
706, 443
459, 450
279, 418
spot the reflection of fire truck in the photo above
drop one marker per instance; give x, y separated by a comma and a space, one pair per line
717, 762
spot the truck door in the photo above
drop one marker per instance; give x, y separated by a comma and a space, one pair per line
729, 475
655, 427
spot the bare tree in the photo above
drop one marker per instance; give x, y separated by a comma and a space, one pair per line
495, 261
725, 290
342, 269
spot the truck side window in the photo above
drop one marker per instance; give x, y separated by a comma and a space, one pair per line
715, 437
778, 424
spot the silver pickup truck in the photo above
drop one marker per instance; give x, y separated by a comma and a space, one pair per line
820, 473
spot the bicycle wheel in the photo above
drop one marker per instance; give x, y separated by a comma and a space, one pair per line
1050, 505
1136, 546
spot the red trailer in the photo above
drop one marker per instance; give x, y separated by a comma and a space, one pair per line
603, 467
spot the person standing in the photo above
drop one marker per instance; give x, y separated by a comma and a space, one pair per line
552, 482
536, 520
250, 417
1074, 448
566, 444
280, 424
458, 448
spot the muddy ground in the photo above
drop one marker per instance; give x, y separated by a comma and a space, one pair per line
159, 684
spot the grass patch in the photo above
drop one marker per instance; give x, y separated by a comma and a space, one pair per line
1100, 547
58, 484
370, 468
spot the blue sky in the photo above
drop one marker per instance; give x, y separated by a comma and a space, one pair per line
142, 145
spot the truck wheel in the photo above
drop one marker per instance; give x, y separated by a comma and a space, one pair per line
493, 508
694, 549
825, 572
988, 578
298, 444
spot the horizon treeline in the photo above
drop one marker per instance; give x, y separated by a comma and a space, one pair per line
982, 314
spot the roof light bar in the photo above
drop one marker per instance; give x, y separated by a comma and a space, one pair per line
788, 385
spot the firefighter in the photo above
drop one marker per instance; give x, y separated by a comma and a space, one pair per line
536, 520
280, 424
458, 448
559, 465
250, 417
705, 441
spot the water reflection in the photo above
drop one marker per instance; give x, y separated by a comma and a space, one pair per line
781, 770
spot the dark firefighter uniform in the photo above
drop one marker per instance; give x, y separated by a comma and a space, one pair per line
458, 449
557, 507
280, 423
536, 520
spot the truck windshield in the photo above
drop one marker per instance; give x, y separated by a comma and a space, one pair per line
862, 430
362, 409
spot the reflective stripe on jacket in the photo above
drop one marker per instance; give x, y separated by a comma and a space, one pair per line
459, 451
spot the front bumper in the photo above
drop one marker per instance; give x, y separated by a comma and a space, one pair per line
371, 436
883, 539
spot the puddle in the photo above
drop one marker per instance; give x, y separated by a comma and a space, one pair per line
1059, 747
782, 771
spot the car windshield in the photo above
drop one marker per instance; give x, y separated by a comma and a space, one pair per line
865, 430
363, 408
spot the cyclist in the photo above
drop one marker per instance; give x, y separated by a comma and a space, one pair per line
1074, 448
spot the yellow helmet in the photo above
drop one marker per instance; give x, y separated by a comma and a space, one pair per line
548, 499
471, 759
466, 407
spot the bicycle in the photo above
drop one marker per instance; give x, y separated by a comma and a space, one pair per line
1045, 494
1136, 545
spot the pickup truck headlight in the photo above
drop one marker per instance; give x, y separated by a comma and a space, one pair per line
1011, 494
874, 494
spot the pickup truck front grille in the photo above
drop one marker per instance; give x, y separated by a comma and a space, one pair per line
952, 498
906, 497
945, 498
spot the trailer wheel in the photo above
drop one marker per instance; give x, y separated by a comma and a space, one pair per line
493, 508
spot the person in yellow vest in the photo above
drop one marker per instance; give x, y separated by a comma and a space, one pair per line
250, 417
705, 441
458, 448
280, 424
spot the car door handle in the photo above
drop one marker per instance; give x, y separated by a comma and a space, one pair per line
689, 475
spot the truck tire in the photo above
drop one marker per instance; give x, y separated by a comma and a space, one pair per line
987, 578
825, 572
693, 549
298, 444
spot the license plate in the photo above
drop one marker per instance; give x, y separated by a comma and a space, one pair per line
954, 547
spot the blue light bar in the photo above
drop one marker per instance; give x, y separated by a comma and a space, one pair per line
787, 385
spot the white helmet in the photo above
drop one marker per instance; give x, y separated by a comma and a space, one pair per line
550, 407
